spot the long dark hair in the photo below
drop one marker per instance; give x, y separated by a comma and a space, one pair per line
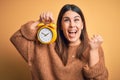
61, 46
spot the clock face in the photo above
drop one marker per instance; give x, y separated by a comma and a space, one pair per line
45, 35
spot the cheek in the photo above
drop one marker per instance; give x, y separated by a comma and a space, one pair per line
64, 26
64, 29
80, 26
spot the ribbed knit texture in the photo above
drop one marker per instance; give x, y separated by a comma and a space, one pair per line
45, 64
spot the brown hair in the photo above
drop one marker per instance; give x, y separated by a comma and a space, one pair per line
61, 46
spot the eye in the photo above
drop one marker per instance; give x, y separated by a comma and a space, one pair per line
66, 20
76, 20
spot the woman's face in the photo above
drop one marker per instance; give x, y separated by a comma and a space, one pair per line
72, 26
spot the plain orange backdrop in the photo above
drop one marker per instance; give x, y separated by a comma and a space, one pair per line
102, 17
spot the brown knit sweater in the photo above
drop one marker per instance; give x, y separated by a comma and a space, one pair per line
45, 64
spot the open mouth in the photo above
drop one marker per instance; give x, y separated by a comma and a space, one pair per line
72, 33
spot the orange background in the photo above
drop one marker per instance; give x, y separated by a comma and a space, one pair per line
102, 17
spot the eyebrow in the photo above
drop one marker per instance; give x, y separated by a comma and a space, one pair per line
74, 17
77, 16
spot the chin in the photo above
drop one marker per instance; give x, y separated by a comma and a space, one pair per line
72, 40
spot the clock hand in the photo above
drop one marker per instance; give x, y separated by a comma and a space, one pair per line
46, 34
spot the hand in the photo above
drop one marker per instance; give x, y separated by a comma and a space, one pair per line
46, 17
95, 42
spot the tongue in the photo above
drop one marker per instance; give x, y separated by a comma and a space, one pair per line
72, 34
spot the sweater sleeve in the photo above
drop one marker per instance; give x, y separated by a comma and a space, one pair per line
98, 71
22, 39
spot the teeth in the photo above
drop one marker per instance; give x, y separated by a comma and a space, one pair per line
72, 31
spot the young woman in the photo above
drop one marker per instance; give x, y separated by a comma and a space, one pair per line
73, 56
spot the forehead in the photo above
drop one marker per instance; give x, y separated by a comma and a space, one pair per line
71, 14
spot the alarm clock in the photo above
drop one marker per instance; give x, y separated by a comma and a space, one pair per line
46, 33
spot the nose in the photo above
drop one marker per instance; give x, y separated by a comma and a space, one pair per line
72, 24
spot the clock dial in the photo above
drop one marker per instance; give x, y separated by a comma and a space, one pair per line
45, 35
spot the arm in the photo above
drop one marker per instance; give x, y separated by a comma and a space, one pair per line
95, 69
23, 37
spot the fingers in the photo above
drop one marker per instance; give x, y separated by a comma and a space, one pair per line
96, 41
46, 17
97, 38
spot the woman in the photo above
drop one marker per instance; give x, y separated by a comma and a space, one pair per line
71, 57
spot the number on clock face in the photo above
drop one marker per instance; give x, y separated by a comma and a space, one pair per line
45, 35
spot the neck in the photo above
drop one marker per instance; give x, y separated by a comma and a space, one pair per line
74, 43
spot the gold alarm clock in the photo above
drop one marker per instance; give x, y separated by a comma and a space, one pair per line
46, 33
